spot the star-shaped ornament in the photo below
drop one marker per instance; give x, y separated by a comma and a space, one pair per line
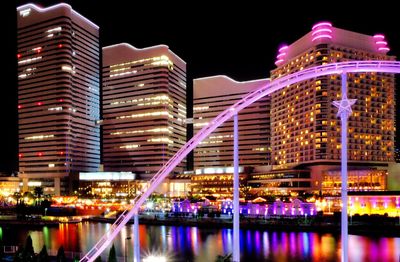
344, 105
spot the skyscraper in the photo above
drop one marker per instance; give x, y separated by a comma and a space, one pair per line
144, 108
211, 96
58, 96
305, 131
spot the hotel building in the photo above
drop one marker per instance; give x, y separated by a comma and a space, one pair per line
58, 96
211, 96
305, 129
144, 108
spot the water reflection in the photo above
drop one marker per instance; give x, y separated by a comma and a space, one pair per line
204, 245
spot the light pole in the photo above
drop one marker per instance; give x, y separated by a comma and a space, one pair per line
126, 248
236, 241
344, 112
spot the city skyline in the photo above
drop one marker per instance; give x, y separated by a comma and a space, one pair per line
238, 40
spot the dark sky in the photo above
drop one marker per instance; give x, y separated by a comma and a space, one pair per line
235, 38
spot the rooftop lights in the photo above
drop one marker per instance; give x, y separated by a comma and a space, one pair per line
381, 44
321, 31
280, 58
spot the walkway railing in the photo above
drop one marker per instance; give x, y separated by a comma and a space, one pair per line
274, 85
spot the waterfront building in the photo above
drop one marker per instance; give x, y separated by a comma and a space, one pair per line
144, 108
375, 203
305, 129
211, 96
58, 96
107, 184
217, 182
8, 186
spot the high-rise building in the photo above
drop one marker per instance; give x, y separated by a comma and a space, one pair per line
144, 108
305, 129
211, 96
58, 96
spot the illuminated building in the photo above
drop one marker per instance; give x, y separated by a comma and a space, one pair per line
378, 203
216, 182
9, 185
58, 96
144, 108
211, 96
107, 184
305, 129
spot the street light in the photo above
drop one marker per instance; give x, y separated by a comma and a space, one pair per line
126, 248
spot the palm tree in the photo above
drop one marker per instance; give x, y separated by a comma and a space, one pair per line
38, 191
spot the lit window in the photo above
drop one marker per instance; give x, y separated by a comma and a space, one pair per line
29, 60
55, 29
39, 137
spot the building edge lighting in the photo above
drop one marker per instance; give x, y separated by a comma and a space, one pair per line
23, 9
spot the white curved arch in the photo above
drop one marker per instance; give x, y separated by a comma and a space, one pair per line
277, 84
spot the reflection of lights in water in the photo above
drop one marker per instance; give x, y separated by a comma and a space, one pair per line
155, 258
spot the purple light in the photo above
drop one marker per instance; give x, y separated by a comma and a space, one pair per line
283, 48
322, 24
384, 49
321, 30
321, 36
280, 55
279, 61
381, 43
379, 36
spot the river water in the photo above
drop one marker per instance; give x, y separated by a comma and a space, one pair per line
180, 243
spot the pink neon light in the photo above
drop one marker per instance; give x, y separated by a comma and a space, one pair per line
379, 36
250, 98
279, 61
43, 10
280, 55
384, 49
381, 43
321, 36
322, 24
283, 48
321, 30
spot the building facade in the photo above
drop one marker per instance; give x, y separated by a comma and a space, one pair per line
211, 96
305, 129
58, 96
144, 108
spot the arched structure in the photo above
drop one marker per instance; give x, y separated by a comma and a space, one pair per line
277, 84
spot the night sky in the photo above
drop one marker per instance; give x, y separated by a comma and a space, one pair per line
214, 37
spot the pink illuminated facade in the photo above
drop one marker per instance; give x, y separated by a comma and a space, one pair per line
305, 130
144, 108
58, 96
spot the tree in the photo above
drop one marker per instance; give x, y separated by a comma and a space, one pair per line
43, 255
17, 196
61, 255
28, 253
112, 256
98, 259
38, 191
